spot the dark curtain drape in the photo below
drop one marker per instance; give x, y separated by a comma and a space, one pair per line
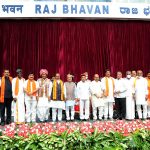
74, 46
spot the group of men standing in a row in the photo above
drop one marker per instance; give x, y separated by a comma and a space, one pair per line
34, 98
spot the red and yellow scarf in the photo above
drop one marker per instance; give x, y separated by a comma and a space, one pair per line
2, 89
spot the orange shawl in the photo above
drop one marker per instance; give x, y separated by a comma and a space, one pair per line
55, 90
2, 89
17, 86
29, 89
148, 81
107, 86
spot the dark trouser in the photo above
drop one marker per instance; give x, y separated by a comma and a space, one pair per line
120, 107
6, 105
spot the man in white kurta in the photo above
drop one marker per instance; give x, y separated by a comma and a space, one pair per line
130, 102
31, 87
97, 97
18, 97
44, 93
83, 94
141, 92
108, 88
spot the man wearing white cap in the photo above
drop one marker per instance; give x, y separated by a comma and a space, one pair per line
45, 87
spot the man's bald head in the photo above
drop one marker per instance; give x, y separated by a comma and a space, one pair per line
96, 77
57, 76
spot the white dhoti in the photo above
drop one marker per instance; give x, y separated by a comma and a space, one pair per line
130, 107
70, 106
19, 109
97, 103
57, 107
30, 110
84, 108
43, 108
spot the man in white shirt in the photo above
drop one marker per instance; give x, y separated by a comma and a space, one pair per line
141, 94
120, 96
108, 89
18, 97
97, 97
83, 94
31, 88
130, 103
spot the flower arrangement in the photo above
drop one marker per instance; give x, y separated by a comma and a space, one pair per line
77, 135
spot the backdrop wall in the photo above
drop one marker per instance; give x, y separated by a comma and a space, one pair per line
74, 46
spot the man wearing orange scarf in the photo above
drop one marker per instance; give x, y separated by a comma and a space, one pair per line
18, 96
108, 89
31, 88
57, 97
44, 93
148, 99
6, 97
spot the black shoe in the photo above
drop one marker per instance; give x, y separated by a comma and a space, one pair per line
8, 122
2, 123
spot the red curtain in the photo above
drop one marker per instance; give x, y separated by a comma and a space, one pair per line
74, 46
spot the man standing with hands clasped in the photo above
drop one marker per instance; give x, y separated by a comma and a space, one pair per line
120, 96
83, 94
141, 94
97, 97
70, 97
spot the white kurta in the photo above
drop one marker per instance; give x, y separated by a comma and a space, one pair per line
130, 102
19, 106
96, 89
141, 90
110, 97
